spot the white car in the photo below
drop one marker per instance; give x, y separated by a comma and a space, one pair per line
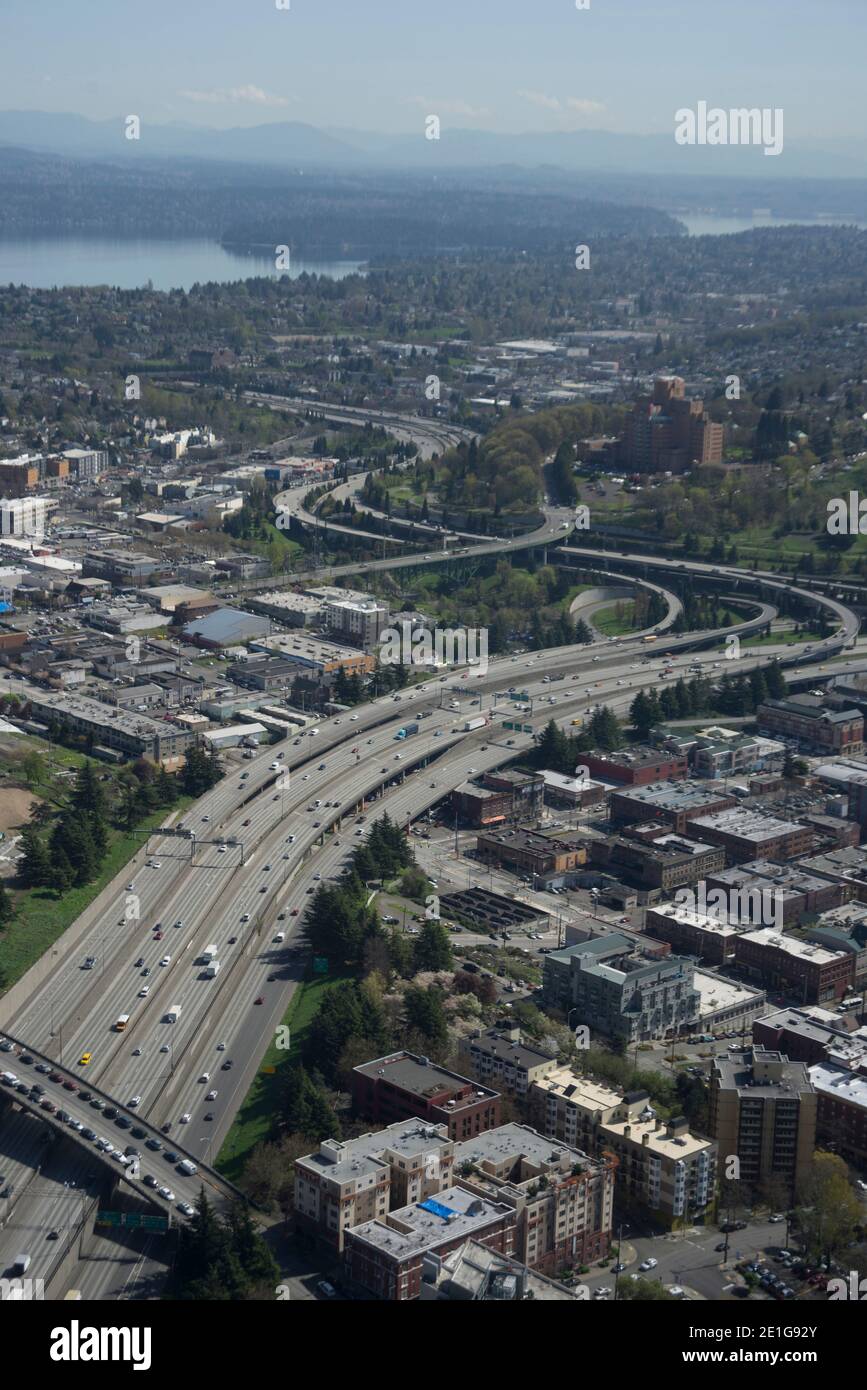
166, 1192
185, 1209
136, 1101
205, 1076
164, 1048
221, 1047
212, 1095
185, 1119
648, 1264
166, 960
144, 992
676, 1291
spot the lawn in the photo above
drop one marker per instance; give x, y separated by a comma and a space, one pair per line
41, 918
255, 1117
616, 621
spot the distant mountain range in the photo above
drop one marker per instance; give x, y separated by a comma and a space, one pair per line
294, 144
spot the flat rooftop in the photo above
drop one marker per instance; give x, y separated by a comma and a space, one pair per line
677, 796
793, 946
659, 1141
580, 1090
454, 1213
422, 1078
352, 1158
839, 1083
747, 825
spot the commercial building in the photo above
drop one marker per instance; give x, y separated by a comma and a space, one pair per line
316, 658
746, 835
133, 734
345, 1184
496, 797
570, 793
667, 433
692, 933
24, 516
289, 608
385, 1257
813, 1034
847, 866
806, 720
763, 1110
226, 627
674, 805
841, 1110
725, 753
605, 984
561, 1197
664, 864
123, 568
637, 767
811, 972
531, 851
793, 893
402, 1085
500, 1057
87, 463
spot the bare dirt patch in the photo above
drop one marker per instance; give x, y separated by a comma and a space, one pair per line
15, 807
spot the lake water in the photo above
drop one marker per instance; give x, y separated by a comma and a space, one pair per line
710, 224
47, 262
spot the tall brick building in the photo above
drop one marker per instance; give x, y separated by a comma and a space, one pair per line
667, 432
401, 1085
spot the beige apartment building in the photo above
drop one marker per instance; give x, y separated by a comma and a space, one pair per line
347, 1184
499, 1058
662, 1167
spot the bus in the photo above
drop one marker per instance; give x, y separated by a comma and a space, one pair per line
121, 1023
651, 639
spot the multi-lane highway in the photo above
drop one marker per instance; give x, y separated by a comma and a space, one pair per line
295, 820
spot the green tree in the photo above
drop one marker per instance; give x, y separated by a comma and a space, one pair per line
432, 948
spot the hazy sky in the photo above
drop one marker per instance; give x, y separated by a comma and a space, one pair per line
506, 65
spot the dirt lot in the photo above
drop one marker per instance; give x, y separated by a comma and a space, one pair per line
15, 806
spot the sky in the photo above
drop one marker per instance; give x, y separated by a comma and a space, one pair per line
383, 65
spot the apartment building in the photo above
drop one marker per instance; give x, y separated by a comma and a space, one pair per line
24, 516
358, 620
606, 984
562, 1198
133, 734
345, 1184
661, 1166
708, 936
402, 1085
763, 1110
571, 1108
499, 1057
814, 726
667, 432
386, 1257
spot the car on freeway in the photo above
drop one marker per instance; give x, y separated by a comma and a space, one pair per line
166, 960
212, 1095
135, 1102
185, 1209
144, 991
228, 1064
167, 1194
185, 1118
260, 1000
83, 1061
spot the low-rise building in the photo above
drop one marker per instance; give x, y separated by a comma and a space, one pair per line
841, 1110
636, 767
675, 805
661, 1166
811, 972
813, 725
746, 835
402, 1085
531, 851
134, 734
500, 1057
665, 863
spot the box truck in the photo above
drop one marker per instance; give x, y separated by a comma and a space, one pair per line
173, 1013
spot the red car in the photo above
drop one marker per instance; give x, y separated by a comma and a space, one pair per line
69, 1086
158, 936
54, 1076
261, 999
294, 912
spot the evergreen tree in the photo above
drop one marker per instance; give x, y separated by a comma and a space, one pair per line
34, 866
432, 949
7, 907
